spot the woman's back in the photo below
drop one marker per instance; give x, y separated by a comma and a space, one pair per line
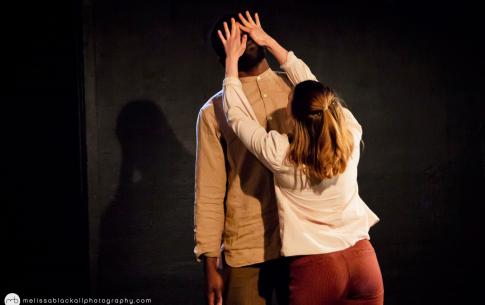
324, 225
314, 219
323, 217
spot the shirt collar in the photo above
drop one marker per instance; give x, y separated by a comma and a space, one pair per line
266, 74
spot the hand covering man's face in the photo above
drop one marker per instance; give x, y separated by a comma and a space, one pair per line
252, 56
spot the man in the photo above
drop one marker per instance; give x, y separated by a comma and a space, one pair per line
235, 206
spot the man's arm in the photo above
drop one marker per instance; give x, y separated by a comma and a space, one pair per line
210, 191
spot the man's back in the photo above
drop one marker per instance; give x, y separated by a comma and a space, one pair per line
235, 198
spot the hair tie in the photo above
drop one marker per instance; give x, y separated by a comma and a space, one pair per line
326, 108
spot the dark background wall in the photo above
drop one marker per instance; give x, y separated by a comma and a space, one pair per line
101, 138
43, 189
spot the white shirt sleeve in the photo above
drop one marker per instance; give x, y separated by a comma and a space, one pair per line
296, 69
352, 124
269, 147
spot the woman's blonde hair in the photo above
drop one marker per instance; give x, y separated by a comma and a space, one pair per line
320, 144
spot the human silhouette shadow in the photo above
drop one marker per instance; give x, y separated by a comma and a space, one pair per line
146, 233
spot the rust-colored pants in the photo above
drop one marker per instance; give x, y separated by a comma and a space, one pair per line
351, 276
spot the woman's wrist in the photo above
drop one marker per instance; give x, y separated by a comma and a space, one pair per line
269, 42
277, 51
231, 67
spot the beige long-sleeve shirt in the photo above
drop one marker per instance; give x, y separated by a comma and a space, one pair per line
235, 203
314, 219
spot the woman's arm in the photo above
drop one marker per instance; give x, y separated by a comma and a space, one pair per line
254, 29
267, 147
296, 69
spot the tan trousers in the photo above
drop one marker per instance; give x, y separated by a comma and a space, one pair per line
261, 284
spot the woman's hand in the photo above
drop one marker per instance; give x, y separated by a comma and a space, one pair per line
254, 29
233, 44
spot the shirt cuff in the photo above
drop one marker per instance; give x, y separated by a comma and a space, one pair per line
290, 59
231, 80
214, 254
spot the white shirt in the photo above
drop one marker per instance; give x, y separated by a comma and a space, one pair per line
322, 218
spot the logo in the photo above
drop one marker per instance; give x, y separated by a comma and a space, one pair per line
12, 299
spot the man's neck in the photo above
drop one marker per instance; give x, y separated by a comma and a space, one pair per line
257, 70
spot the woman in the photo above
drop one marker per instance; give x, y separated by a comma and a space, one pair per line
324, 223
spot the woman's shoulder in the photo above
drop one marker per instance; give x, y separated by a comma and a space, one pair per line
348, 114
352, 122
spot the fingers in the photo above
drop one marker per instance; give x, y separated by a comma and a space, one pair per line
221, 37
250, 19
226, 28
234, 28
233, 40
229, 33
238, 32
211, 298
244, 28
244, 40
219, 296
242, 46
243, 20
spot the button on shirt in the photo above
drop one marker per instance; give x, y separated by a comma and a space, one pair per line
314, 219
235, 202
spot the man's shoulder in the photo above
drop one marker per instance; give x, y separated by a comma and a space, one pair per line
212, 111
208, 108
283, 76
281, 73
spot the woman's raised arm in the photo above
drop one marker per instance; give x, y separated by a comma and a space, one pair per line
240, 116
296, 69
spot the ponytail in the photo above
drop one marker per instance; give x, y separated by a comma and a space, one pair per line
321, 142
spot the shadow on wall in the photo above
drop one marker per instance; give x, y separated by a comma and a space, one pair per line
146, 240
